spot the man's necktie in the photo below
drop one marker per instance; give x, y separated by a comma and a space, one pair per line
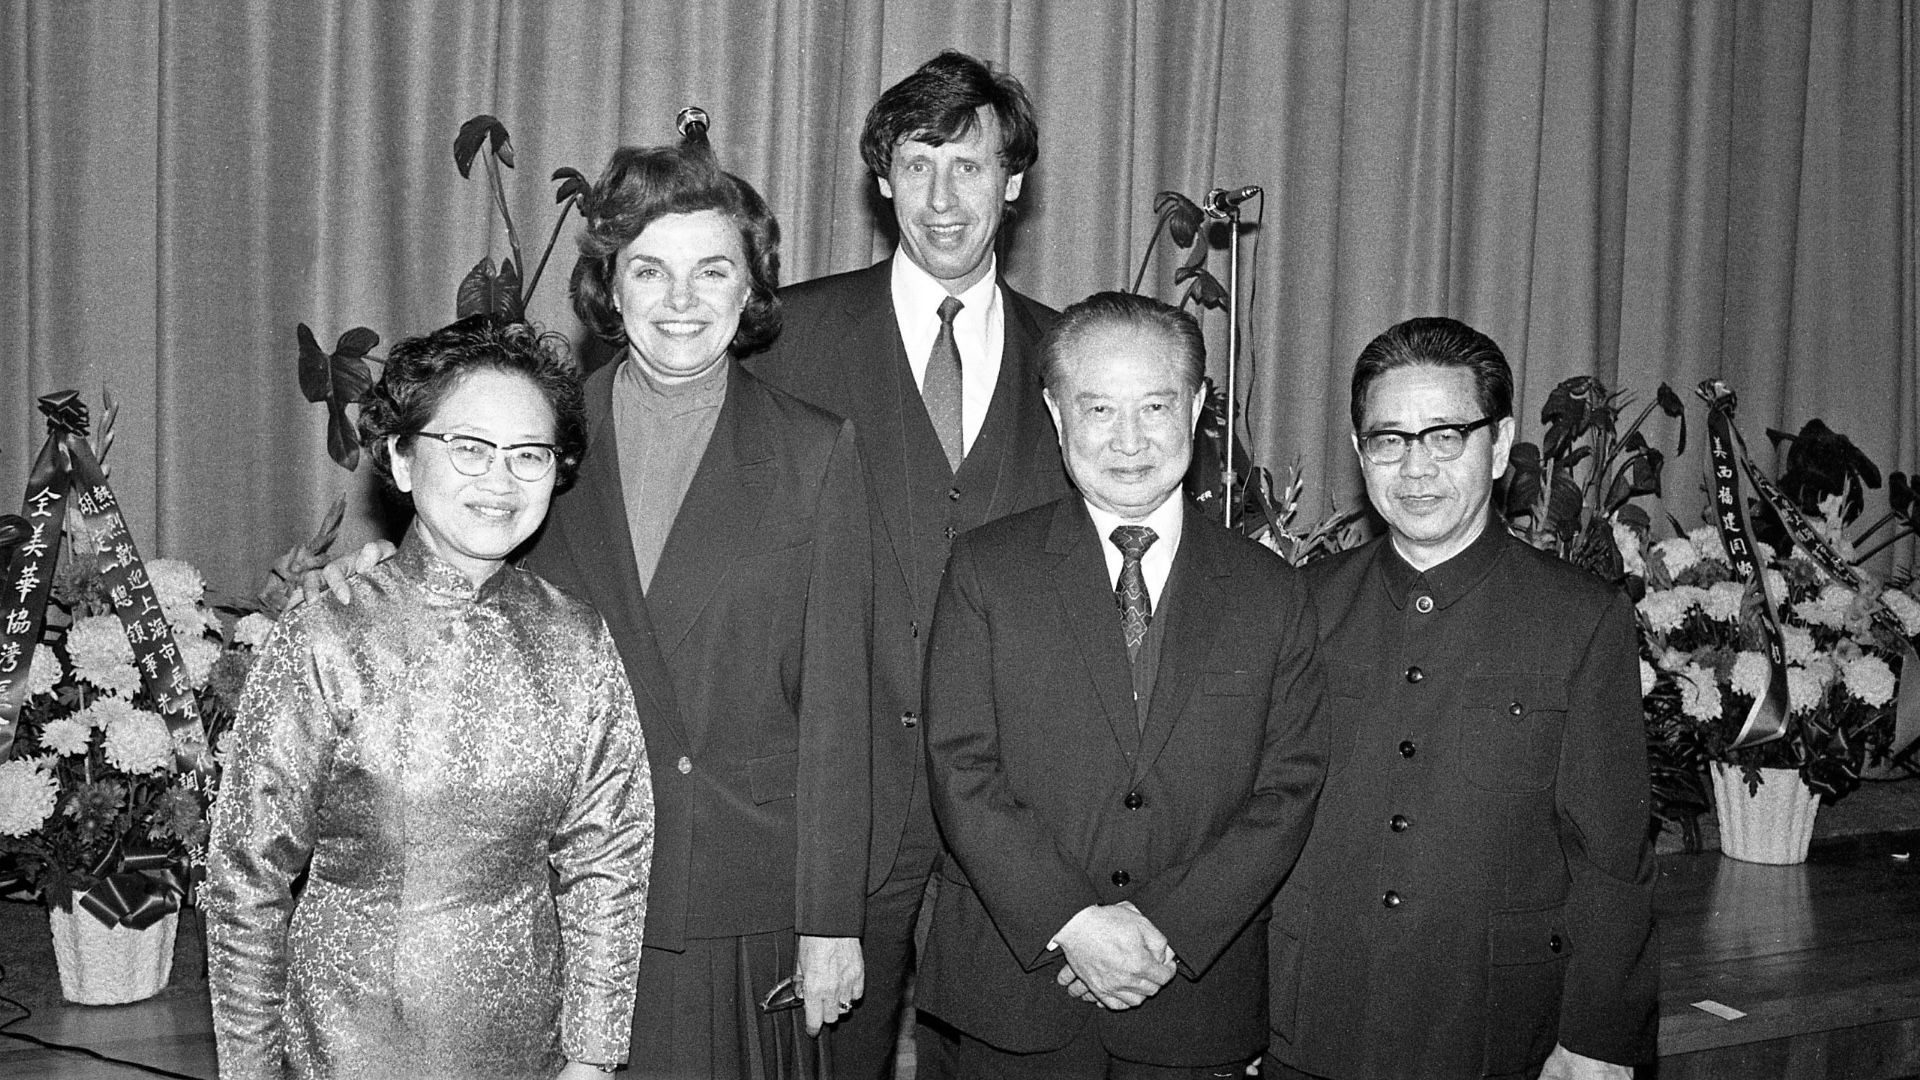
1136, 607
941, 388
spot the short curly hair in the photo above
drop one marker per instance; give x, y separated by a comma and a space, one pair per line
640, 186
421, 371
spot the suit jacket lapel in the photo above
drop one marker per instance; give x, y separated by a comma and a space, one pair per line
597, 541
1010, 416
718, 517
1197, 590
1085, 595
873, 329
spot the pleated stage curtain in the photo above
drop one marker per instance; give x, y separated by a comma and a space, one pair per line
1642, 191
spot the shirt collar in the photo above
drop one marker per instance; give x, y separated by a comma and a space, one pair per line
1165, 521
918, 295
1450, 580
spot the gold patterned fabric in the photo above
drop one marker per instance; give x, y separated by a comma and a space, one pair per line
427, 753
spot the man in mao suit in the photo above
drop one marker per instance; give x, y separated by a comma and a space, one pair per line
949, 147
1123, 743
1476, 897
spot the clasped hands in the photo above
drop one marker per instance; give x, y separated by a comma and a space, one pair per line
1116, 957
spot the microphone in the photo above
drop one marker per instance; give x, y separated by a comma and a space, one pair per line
691, 120
1221, 202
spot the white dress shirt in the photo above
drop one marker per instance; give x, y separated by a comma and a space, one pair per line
979, 330
1157, 563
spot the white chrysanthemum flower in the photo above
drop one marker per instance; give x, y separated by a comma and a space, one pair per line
139, 743
43, 674
1674, 659
1647, 678
252, 631
102, 712
1869, 678
175, 583
1722, 601
1905, 608
1678, 554
1805, 690
97, 646
1627, 539
1777, 585
1750, 674
1699, 693
27, 796
66, 735
1666, 609
1799, 643
1829, 609
1706, 540
198, 654
187, 620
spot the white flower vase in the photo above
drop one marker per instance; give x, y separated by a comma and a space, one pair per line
102, 965
1772, 825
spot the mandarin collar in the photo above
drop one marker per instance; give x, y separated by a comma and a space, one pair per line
440, 578
1448, 581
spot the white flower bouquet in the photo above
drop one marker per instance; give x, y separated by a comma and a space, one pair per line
1704, 660
93, 791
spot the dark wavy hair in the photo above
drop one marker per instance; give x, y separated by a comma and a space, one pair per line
1131, 311
643, 184
421, 371
1434, 341
939, 103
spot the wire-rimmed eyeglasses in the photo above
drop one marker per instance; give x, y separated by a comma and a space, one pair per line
1444, 442
473, 456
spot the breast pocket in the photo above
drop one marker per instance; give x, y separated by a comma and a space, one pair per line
1346, 712
1512, 731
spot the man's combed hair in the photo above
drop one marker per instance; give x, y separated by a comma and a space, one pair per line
644, 184
1434, 341
939, 102
421, 371
1131, 311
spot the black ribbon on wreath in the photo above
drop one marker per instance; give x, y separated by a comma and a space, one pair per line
1729, 458
66, 473
134, 889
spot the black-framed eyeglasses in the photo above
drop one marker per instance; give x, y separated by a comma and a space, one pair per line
1444, 442
473, 456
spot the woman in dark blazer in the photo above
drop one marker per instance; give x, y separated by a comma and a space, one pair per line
721, 528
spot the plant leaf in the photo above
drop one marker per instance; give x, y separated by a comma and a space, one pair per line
355, 343
343, 440
1823, 462
473, 134
506, 293
1207, 291
1523, 479
1564, 502
573, 185
1671, 404
314, 366
1184, 220
476, 292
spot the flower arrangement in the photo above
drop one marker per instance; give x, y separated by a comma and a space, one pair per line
93, 792
1704, 661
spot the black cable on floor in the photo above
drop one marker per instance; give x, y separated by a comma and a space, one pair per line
26, 1013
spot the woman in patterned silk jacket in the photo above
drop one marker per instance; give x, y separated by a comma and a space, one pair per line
452, 761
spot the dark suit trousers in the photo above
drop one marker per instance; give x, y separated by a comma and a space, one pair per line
945, 1053
865, 1040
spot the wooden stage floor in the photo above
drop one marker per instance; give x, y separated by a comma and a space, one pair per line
1823, 959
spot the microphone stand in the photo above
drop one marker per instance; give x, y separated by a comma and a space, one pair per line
1231, 215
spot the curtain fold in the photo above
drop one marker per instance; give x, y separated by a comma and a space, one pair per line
1640, 191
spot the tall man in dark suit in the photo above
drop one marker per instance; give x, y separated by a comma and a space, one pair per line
1475, 900
1122, 743
932, 356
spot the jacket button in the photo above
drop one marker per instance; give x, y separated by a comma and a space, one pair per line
1423, 605
1392, 899
1121, 877
1400, 823
684, 765
1133, 801
1414, 674
1407, 749
954, 494
909, 719
1554, 944
1515, 709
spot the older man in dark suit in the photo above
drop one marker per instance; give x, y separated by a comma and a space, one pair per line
932, 356
1122, 739
1475, 900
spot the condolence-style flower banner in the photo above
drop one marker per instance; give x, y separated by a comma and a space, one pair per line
66, 471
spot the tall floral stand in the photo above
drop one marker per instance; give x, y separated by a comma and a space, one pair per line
102, 965
1772, 825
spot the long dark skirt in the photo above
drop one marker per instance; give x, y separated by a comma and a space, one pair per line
698, 1015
